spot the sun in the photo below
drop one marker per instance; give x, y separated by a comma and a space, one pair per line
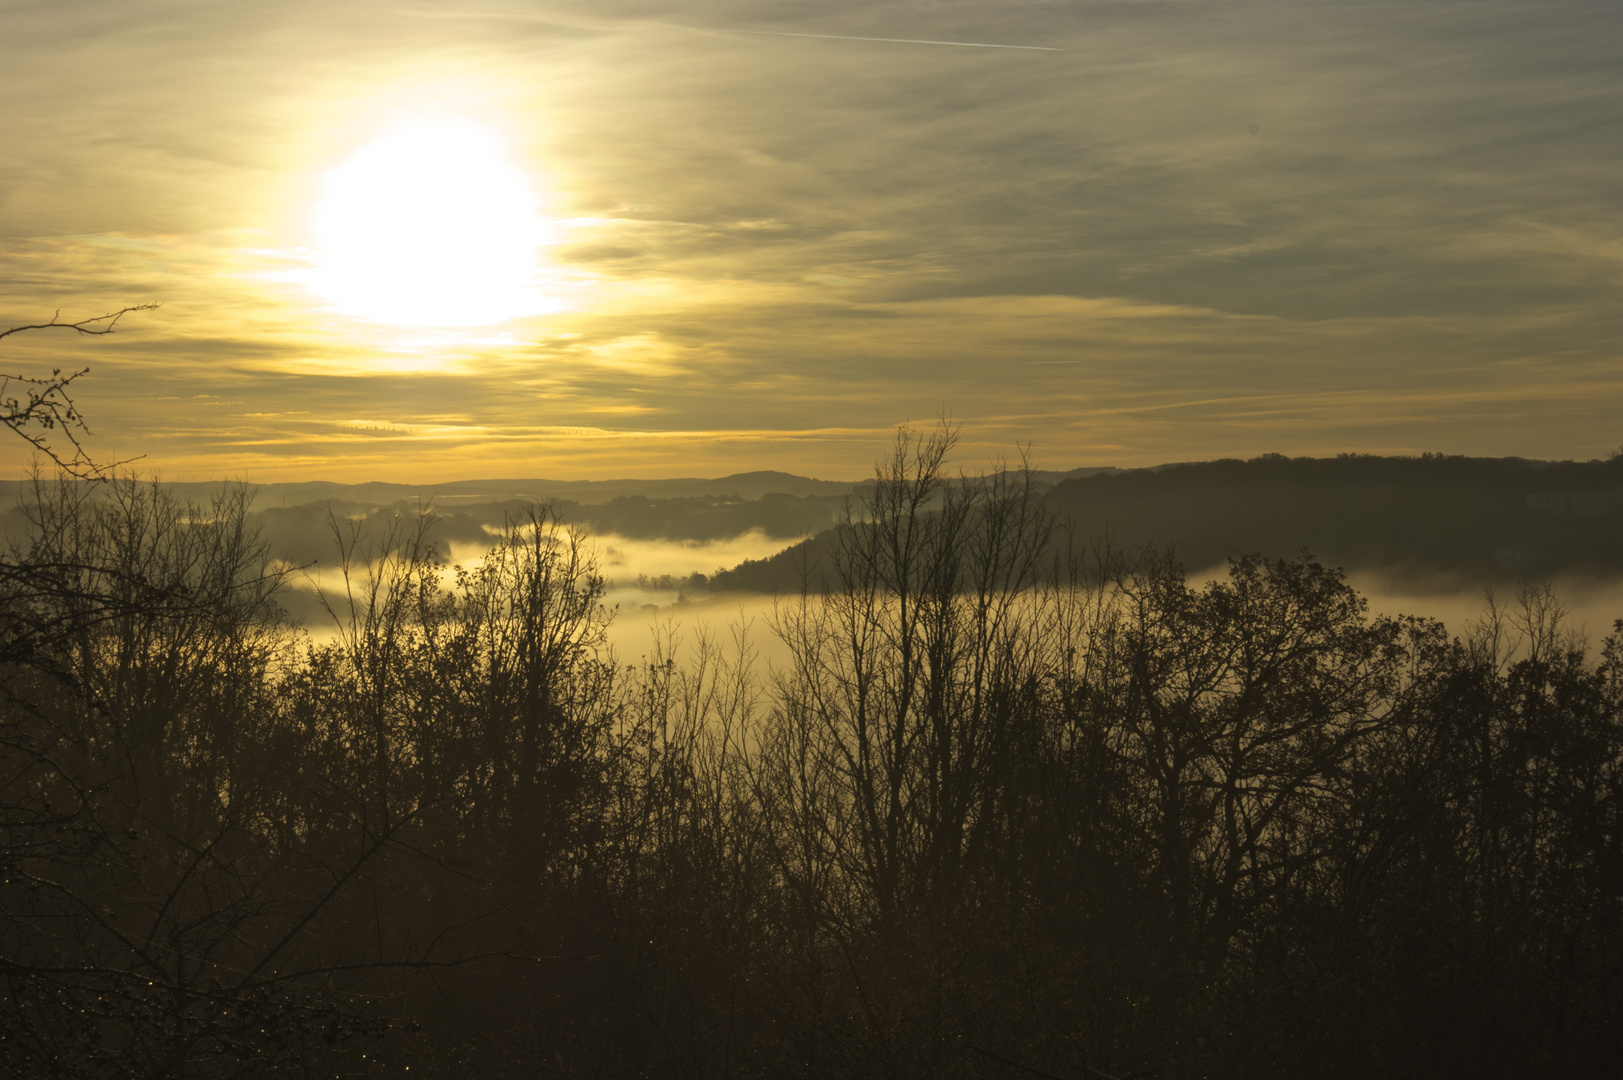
430, 224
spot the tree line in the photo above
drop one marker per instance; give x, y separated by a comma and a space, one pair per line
1015, 805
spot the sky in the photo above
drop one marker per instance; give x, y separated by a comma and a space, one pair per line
721, 236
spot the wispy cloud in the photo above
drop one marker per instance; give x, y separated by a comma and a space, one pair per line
1199, 229
892, 40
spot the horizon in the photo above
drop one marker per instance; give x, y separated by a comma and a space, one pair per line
1038, 468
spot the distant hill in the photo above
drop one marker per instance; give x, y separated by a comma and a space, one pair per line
1431, 514
1471, 519
1474, 519
295, 518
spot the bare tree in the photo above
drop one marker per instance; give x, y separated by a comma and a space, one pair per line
155, 918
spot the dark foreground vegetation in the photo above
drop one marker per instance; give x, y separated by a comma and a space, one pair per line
1015, 808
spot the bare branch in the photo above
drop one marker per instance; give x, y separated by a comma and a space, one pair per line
101, 324
33, 407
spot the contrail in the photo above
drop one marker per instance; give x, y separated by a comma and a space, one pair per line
899, 41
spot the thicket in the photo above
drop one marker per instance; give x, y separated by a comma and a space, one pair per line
1015, 806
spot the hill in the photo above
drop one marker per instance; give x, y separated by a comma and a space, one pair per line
1470, 519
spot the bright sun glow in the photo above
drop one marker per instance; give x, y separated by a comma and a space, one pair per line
430, 225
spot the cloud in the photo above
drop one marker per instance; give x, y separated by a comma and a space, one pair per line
634, 355
1201, 229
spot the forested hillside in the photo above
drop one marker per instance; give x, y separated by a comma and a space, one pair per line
1454, 520
1012, 809
1458, 516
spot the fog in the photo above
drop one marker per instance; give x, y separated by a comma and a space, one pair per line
660, 614
1590, 604
643, 613
647, 620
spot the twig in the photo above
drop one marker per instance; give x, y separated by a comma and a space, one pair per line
101, 324
32, 406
